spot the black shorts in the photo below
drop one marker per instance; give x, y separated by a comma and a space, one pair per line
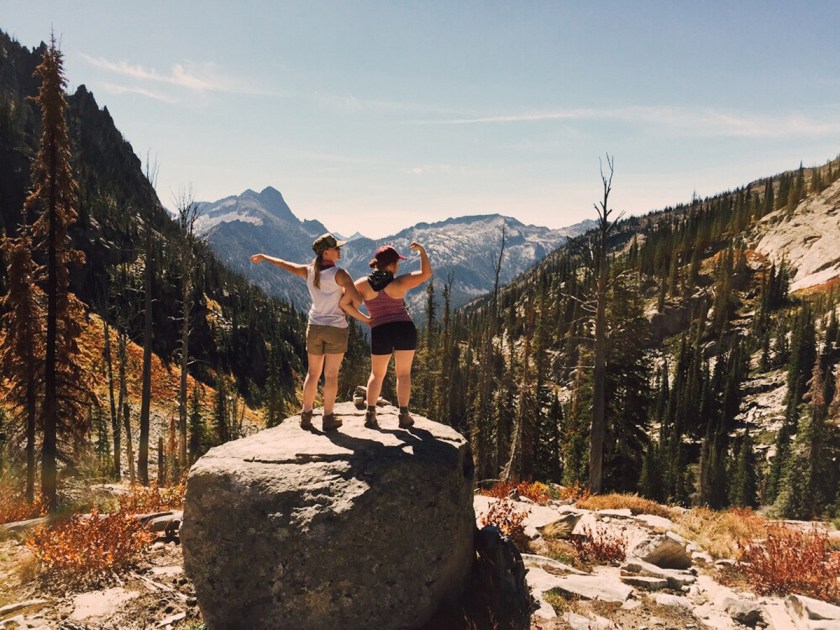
386, 338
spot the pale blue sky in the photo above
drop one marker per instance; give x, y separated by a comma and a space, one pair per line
373, 116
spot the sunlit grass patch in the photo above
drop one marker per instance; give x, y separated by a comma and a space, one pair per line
633, 502
720, 533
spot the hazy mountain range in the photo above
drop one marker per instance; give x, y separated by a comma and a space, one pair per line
463, 247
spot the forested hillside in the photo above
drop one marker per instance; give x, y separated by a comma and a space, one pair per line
701, 331
133, 270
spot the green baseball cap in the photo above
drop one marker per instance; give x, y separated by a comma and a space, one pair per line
325, 242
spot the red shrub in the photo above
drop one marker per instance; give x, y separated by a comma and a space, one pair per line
502, 514
792, 561
599, 546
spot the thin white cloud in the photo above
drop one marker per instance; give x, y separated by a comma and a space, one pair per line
205, 78
113, 88
677, 121
351, 102
426, 169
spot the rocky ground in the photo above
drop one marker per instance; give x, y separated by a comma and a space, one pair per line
666, 582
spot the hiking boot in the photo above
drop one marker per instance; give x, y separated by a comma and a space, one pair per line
306, 419
370, 420
331, 422
406, 421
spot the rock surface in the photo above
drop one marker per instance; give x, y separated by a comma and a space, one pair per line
352, 528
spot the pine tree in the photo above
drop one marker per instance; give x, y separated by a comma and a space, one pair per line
803, 351
197, 437
743, 489
575, 440
53, 200
803, 494
650, 479
221, 411
22, 347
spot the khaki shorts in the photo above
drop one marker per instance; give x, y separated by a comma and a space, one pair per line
326, 339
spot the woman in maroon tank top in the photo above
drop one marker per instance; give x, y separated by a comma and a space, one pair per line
392, 330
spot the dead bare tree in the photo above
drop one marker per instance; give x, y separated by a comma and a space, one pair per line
188, 212
601, 267
146, 394
480, 434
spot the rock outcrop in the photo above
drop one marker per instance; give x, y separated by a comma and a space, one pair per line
355, 528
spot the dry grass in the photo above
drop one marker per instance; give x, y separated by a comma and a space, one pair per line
563, 551
635, 503
792, 561
720, 533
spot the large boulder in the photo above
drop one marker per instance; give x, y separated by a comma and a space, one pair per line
355, 528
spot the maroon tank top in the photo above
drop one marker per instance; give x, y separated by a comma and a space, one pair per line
384, 309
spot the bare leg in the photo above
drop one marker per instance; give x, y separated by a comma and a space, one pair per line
378, 369
310, 384
402, 367
332, 362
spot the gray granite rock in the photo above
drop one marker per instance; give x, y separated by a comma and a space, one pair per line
352, 528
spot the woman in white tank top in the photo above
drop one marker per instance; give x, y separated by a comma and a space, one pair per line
326, 332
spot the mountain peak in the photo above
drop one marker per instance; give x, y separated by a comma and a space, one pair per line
270, 192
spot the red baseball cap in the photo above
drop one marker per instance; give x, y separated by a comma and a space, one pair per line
386, 254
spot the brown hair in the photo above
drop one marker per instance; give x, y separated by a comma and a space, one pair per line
377, 264
316, 268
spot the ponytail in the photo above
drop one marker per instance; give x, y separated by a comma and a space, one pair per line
316, 271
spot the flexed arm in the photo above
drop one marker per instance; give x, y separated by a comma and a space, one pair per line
298, 270
416, 278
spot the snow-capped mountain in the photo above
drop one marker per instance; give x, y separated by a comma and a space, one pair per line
467, 248
463, 247
238, 226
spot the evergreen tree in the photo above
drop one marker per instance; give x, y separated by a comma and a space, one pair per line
197, 432
221, 411
53, 200
650, 479
803, 352
803, 493
575, 440
744, 481
22, 347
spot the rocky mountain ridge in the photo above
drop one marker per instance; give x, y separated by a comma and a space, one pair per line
464, 247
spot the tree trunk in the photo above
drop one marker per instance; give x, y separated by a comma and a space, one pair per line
115, 421
182, 393
122, 405
599, 384
49, 411
599, 376
31, 418
146, 395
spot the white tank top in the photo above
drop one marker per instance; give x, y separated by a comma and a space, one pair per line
325, 310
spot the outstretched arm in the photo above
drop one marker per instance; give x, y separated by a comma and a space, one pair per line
352, 299
416, 278
298, 270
